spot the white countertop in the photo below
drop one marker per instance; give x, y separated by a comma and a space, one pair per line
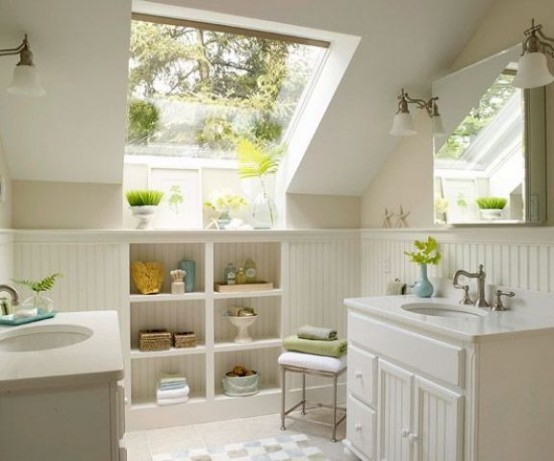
98, 358
491, 327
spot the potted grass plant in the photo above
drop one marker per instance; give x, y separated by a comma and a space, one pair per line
491, 208
144, 203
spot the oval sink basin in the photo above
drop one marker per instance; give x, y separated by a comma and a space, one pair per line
40, 338
444, 310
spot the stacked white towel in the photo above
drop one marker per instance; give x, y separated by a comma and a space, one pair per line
172, 390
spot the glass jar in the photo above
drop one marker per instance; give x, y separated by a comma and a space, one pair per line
38, 301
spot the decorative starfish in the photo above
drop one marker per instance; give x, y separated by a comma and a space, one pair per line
401, 222
387, 220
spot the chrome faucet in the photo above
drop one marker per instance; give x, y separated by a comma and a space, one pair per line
14, 295
480, 275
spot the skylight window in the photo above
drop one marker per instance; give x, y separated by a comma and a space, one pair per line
197, 89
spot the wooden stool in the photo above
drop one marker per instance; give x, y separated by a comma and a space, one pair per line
318, 365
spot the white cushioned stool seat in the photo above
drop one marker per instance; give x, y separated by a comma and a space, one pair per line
312, 362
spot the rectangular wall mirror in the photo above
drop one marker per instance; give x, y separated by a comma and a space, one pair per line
490, 166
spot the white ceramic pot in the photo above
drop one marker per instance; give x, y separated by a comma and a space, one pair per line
491, 214
144, 214
242, 323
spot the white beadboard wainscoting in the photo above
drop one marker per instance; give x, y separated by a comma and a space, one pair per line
6, 255
312, 272
515, 257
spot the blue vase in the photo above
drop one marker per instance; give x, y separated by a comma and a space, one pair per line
423, 287
189, 268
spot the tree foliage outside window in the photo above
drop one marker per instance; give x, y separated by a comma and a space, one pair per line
496, 96
211, 89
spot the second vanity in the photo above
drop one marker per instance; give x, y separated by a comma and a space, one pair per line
60, 397
429, 384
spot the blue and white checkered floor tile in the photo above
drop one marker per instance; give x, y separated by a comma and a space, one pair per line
294, 447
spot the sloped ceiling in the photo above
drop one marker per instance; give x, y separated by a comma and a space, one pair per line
76, 133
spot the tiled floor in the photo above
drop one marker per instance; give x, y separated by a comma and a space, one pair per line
142, 445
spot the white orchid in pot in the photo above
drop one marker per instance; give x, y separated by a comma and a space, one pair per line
260, 161
221, 206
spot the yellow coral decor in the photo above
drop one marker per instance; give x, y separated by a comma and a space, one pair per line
148, 277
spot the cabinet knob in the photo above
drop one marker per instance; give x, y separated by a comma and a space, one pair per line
358, 427
405, 433
358, 374
412, 437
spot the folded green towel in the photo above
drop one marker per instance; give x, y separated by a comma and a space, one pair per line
324, 334
336, 348
168, 378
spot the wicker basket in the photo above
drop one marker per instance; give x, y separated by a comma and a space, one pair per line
154, 340
184, 339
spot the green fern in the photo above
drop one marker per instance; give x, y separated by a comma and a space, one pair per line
46, 284
255, 161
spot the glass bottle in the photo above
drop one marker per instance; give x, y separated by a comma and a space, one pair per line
241, 276
250, 270
38, 301
230, 274
264, 211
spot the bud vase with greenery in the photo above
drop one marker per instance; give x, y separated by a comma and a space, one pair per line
39, 300
259, 161
427, 252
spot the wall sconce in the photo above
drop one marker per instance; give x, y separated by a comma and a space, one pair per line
25, 77
532, 69
403, 125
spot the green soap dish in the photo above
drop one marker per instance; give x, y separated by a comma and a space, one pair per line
14, 321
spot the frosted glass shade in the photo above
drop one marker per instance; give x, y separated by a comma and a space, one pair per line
532, 71
26, 82
403, 125
438, 127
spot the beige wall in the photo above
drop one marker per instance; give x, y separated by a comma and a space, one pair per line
405, 180
306, 211
62, 205
6, 194
406, 177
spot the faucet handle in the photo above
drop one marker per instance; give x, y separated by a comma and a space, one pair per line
465, 299
498, 306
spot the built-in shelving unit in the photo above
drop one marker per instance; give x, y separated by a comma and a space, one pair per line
204, 312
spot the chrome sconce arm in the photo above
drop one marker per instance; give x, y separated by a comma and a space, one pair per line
532, 44
25, 78
403, 123
532, 69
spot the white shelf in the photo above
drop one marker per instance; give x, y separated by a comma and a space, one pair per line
271, 389
249, 294
167, 297
200, 311
256, 344
173, 352
151, 404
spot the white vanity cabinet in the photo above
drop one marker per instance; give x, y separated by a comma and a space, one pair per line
77, 423
61, 403
443, 394
418, 419
394, 413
